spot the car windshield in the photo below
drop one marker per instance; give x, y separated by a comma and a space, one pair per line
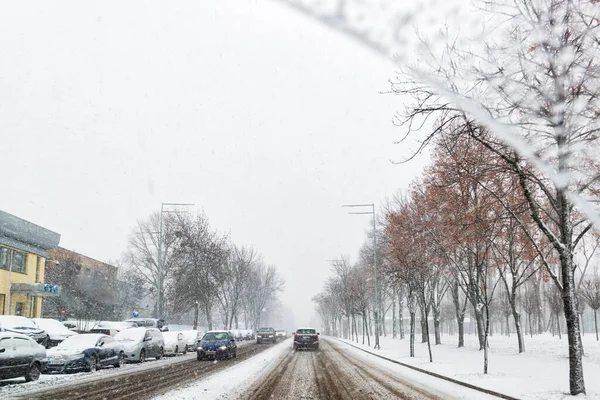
131, 335
215, 336
265, 330
14, 322
306, 331
79, 341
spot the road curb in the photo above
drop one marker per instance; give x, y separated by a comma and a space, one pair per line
435, 375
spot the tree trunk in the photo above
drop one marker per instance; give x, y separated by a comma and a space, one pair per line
436, 325
401, 316
519, 329
481, 334
412, 333
428, 341
461, 330
394, 320
423, 324
596, 323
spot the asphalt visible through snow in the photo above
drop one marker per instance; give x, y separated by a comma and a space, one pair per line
331, 374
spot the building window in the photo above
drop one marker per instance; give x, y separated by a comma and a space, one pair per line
38, 265
19, 308
4, 257
17, 257
18, 261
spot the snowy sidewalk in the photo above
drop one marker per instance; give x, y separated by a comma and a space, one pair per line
540, 373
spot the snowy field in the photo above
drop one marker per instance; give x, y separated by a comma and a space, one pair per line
540, 373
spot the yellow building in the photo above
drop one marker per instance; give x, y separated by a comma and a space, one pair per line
23, 250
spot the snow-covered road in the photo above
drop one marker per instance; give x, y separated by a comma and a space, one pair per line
338, 371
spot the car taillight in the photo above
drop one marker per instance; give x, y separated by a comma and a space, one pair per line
315, 336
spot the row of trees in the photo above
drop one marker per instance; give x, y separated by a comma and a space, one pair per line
518, 109
203, 270
202, 274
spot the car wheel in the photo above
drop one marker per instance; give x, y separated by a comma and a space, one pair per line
198, 358
161, 354
258, 342
235, 354
34, 373
92, 364
120, 360
295, 348
142, 355
317, 347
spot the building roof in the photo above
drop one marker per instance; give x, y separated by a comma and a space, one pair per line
27, 236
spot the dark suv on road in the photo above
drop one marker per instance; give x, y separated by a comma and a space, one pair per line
306, 338
265, 335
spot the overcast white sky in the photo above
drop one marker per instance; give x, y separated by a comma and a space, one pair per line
263, 118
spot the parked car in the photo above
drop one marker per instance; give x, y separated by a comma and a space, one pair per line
70, 325
265, 335
86, 352
148, 322
216, 345
191, 339
174, 343
25, 326
306, 338
57, 332
111, 328
142, 343
21, 356
280, 334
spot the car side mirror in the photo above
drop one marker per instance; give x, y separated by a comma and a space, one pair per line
2, 350
318, 333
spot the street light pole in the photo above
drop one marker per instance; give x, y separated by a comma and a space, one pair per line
159, 264
376, 284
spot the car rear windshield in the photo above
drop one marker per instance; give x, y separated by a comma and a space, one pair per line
266, 330
306, 331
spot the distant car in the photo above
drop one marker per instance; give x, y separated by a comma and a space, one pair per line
142, 343
280, 334
111, 328
306, 338
86, 352
216, 345
265, 335
191, 339
21, 356
57, 332
174, 343
25, 326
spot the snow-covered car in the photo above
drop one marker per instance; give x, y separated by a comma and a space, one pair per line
57, 332
86, 352
142, 343
148, 322
216, 345
280, 334
191, 339
21, 356
25, 326
111, 328
174, 343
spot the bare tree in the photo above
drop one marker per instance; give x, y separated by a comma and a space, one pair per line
590, 292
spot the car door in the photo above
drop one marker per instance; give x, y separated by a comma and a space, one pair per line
7, 358
103, 351
109, 349
23, 355
232, 343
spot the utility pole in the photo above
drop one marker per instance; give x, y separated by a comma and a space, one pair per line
376, 283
